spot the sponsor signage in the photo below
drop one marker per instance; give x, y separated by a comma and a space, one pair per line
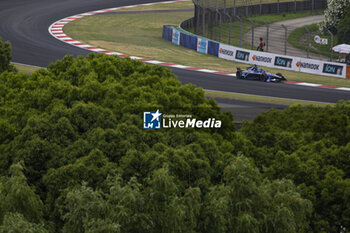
227, 52
263, 59
269, 59
202, 45
283, 62
310, 66
319, 40
176, 37
242, 55
332, 69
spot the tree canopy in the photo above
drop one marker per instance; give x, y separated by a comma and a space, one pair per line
75, 158
344, 28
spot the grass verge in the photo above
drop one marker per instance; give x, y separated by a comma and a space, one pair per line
142, 37
27, 69
260, 99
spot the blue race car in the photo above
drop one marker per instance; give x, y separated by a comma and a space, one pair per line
254, 73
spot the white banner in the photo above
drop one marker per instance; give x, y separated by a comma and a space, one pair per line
227, 52
334, 69
310, 66
262, 59
243, 55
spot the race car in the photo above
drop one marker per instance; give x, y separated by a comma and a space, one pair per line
254, 73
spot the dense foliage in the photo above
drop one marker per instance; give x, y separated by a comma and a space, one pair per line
5, 57
333, 13
74, 157
344, 27
311, 146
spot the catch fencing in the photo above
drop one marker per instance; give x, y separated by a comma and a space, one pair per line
226, 21
200, 44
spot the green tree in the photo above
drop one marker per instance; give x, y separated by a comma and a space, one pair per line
246, 202
77, 127
5, 57
315, 156
16, 196
343, 27
16, 223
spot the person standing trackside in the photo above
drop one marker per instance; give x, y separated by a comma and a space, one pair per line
261, 46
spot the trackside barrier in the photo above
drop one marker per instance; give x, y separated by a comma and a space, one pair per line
237, 54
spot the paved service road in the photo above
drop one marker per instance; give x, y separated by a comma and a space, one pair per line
277, 35
25, 23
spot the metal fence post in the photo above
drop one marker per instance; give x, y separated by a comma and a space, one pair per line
260, 6
267, 36
295, 6
210, 19
312, 5
278, 6
196, 29
220, 17
332, 41
234, 8
285, 39
240, 31
203, 18
229, 32
224, 11
217, 8
246, 8
253, 26
308, 42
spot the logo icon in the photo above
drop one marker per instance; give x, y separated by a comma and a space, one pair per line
151, 120
254, 57
298, 64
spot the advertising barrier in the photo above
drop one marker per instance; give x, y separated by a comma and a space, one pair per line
176, 37
226, 52
167, 33
202, 46
213, 48
188, 41
237, 54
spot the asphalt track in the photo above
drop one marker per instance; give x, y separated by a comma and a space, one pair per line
25, 23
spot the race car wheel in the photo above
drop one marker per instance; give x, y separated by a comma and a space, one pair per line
262, 78
239, 74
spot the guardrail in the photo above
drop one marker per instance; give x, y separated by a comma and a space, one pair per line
200, 44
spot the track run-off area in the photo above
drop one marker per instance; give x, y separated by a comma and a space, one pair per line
25, 24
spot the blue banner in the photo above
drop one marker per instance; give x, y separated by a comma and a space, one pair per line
167, 33
213, 48
188, 41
